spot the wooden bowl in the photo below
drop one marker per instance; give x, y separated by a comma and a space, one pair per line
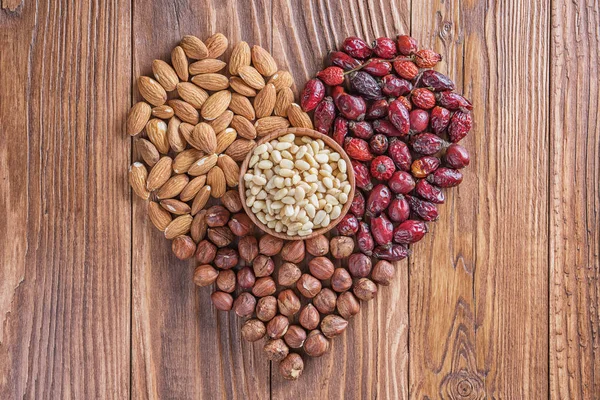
315, 135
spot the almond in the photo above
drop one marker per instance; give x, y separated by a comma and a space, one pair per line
299, 118
186, 130
165, 75
138, 117
175, 206
216, 45
285, 97
207, 66
199, 227
148, 151
222, 121
212, 82
193, 47
239, 149
159, 174
160, 217
192, 94
243, 126
179, 226
138, 178
152, 91
264, 102
252, 77
172, 187
282, 79
238, 84
230, 169
192, 188
215, 105
240, 56
184, 160
241, 106
180, 63
201, 199
163, 112
224, 139
267, 125
185, 111
216, 180
157, 133
203, 165
204, 138
263, 61
176, 139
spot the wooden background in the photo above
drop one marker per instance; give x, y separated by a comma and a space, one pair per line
500, 301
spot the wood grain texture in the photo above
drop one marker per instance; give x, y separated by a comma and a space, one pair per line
575, 201
65, 255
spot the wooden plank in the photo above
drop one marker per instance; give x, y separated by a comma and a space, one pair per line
370, 360
65, 287
575, 198
183, 347
479, 283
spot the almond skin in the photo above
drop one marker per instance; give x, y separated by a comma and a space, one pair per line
267, 125
263, 61
241, 105
230, 168
216, 180
172, 187
192, 188
240, 56
222, 122
165, 75
216, 45
282, 79
138, 117
201, 199
216, 105
244, 127
224, 139
179, 226
204, 138
299, 118
238, 84
252, 77
147, 151
185, 111
163, 112
184, 160
240, 148
176, 139
152, 91
193, 47
138, 178
180, 63
160, 217
264, 102
212, 82
285, 98
203, 165
159, 174
157, 133
206, 66
192, 94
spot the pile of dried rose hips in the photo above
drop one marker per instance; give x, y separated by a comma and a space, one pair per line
400, 122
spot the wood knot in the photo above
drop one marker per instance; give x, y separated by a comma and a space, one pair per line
462, 385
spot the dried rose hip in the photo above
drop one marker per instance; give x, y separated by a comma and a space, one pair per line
454, 101
426, 210
343, 60
365, 85
384, 47
395, 252
460, 125
356, 47
391, 85
404, 100
377, 109
399, 209
377, 67
313, 93
406, 45
361, 129
406, 69
336, 92
340, 130
357, 207
382, 230
362, 177
426, 58
427, 191
351, 107
401, 182
445, 177
358, 149
400, 153
435, 81
423, 166
332, 76
423, 98
382, 168
386, 127
348, 226
398, 116
440, 118
419, 120
456, 156
426, 143
324, 115
378, 144
364, 239
378, 200
410, 231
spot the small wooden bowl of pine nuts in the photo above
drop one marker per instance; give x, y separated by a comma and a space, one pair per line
296, 184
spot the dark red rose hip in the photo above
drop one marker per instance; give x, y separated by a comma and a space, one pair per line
406, 69
399, 209
398, 116
426, 143
384, 47
324, 115
395, 252
400, 154
426, 210
440, 118
378, 144
410, 231
358, 149
357, 207
382, 230
429, 192
365, 85
387, 128
377, 109
435, 81
426, 58
453, 101
391, 85
460, 125
356, 47
401, 182
423, 166
406, 45
343, 60
348, 226
340, 130
364, 239
361, 129
362, 177
419, 120
313, 93
382, 168
445, 177
332, 76
378, 200
456, 156
351, 107
377, 67
423, 98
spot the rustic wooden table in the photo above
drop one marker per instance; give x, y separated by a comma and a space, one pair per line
500, 301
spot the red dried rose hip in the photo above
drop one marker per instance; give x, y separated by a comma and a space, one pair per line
426, 210
398, 116
356, 47
348, 226
358, 149
357, 207
387, 128
435, 81
400, 154
453, 101
364, 239
395, 252
406, 69
378, 200
351, 107
379, 144
343, 60
313, 93
426, 143
419, 120
332, 76
445, 177
365, 85
423, 166
401, 182
384, 47
426, 58
382, 230
423, 98
456, 156
399, 209
377, 67
382, 168
460, 125
440, 118
324, 115
391, 85
377, 109
362, 177
361, 129
410, 231
406, 45
429, 192
340, 130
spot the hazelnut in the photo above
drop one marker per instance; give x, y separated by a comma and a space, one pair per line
263, 266
321, 268
316, 344
264, 287
291, 367
205, 275
222, 301
198, 227
325, 301
289, 303
216, 216
309, 317
333, 325
221, 236
240, 224
341, 280
308, 285
383, 272
365, 289
293, 251
205, 252
347, 305
226, 258
288, 274
295, 336
359, 265
226, 280
246, 278
253, 330
270, 245
248, 248
244, 304
276, 349
266, 308
341, 246
278, 326
231, 200
183, 247
317, 246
